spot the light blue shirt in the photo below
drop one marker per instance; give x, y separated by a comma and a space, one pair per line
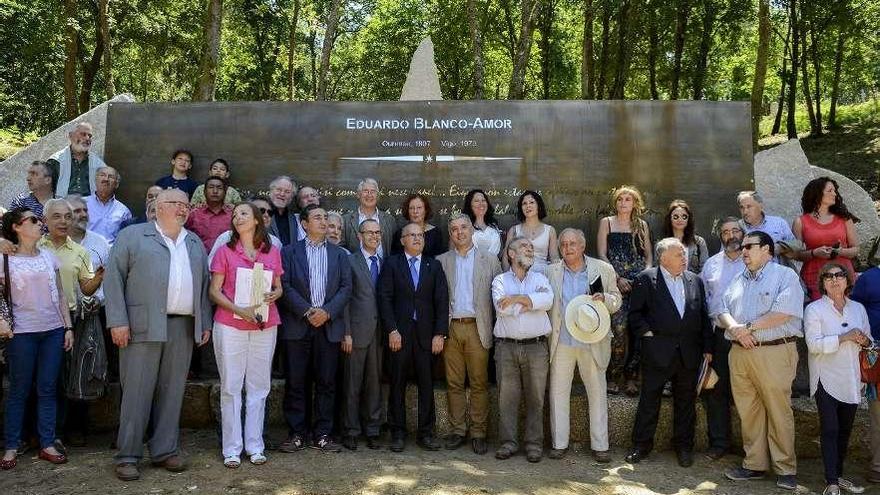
573, 284
776, 227
463, 295
105, 219
717, 274
676, 289
774, 288
317, 257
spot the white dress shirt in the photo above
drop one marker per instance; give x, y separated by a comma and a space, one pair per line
836, 364
515, 322
180, 283
99, 250
717, 274
676, 289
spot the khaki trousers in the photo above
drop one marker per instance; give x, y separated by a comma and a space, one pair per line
593, 376
760, 380
465, 357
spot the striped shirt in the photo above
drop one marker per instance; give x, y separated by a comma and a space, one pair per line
317, 257
29, 201
774, 288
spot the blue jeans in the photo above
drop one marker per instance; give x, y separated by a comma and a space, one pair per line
32, 354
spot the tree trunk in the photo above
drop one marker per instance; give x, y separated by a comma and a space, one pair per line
791, 122
477, 46
291, 52
70, 55
545, 26
682, 13
783, 79
835, 84
91, 66
588, 69
817, 87
624, 23
206, 83
808, 98
603, 53
313, 56
523, 49
653, 49
709, 14
104, 13
760, 67
327, 48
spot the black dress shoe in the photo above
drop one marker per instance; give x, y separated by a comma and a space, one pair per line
453, 441
715, 453
397, 445
636, 455
685, 458
428, 443
373, 443
479, 445
350, 442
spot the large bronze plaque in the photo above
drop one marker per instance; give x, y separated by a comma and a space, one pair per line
573, 152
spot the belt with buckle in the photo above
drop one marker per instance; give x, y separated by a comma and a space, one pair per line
464, 320
535, 340
783, 340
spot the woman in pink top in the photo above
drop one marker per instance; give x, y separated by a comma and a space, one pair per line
244, 339
827, 229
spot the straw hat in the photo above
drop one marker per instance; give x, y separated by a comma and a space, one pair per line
587, 320
707, 377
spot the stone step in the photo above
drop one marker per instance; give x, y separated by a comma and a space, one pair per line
201, 410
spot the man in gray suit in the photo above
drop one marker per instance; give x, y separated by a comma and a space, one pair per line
469, 274
156, 291
368, 198
362, 365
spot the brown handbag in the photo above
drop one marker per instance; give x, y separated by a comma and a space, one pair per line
869, 364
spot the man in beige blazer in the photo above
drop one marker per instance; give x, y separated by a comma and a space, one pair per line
469, 274
573, 275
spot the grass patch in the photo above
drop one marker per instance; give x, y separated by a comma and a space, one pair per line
12, 140
852, 149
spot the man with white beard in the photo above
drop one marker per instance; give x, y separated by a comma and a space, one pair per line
521, 298
76, 165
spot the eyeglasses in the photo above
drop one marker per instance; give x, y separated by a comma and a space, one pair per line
683, 216
415, 235
264, 210
34, 220
830, 275
731, 232
178, 204
746, 247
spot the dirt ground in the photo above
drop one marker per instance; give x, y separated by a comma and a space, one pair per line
383, 472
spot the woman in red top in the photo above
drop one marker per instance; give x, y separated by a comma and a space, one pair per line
827, 229
244, 337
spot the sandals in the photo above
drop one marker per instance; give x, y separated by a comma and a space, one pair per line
7, 464
232, 461
258, 459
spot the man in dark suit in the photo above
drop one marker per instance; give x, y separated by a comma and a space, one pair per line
668, 312
285, 225
414, 310
368, 209
317, 286
362, 344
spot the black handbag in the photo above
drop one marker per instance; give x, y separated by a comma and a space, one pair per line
6, 306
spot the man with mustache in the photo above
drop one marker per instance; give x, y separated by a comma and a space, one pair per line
717, 274
76, 165
522, 298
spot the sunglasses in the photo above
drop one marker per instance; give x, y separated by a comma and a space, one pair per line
746, 247
263, 210
682, 216
831, 275
32, 219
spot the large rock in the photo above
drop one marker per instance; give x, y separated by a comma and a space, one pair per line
782, 172
14, 170
422, 81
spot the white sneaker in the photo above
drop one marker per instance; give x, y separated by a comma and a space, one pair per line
849, 486
258, 459
831, 490
232, 461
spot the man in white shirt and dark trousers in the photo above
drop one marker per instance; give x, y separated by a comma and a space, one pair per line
522, 359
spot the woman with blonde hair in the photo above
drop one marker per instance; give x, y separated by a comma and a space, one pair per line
624, 240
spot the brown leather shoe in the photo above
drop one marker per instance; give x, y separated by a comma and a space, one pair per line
127, 471
602, 456
174, 464
53, 458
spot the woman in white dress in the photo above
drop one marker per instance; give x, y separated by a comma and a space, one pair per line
530, 211
487, 234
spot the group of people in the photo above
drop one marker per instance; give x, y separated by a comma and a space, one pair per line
338, 301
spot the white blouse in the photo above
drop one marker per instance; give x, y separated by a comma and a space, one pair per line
833, 362
488, 239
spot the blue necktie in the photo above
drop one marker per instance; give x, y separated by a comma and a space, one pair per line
374, 269
413, 272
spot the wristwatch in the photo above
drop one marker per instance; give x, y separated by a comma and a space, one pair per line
749, 326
